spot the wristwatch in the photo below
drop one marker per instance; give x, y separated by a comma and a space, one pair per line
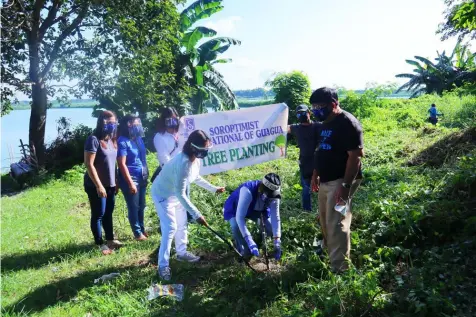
345, 185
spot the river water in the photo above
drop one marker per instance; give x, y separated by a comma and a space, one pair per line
15, 125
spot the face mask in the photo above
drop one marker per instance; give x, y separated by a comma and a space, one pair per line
110, 128
201, 152
302, 117
136, 131
321, 114
171, 123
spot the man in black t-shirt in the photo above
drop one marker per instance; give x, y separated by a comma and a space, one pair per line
306, 133
337, 172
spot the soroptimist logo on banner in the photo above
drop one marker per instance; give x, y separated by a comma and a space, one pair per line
241, 137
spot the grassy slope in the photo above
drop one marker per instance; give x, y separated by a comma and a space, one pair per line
412, 240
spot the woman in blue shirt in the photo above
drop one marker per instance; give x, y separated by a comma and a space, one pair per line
133, 172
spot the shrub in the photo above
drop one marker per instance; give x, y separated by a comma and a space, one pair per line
67, 150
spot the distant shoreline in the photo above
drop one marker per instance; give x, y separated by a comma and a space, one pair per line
54, 107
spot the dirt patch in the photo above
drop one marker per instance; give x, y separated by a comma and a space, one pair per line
79, 208
259, 264
446, 150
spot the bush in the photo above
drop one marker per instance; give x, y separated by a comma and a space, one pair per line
67, 150
292, 88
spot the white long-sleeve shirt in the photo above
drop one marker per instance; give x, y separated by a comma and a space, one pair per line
174, 178
244, 201
165, 145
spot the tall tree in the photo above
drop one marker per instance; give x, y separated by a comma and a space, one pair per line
39, 37
460, 20
146, 79
446, 74
197, 60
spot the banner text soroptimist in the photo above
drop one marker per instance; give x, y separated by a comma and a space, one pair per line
241, 137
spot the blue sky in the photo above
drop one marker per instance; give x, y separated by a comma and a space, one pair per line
347, 43
335, 42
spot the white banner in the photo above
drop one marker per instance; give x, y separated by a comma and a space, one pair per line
241, 137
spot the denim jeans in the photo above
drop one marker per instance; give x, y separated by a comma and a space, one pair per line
135, 204
240, 242
101, 213
306, 194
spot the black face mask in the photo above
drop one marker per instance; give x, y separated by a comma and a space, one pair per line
201, 154
302, 117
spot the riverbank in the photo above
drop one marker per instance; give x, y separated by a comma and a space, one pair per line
413, 239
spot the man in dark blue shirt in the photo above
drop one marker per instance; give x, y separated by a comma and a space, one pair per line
306, 133
337, 172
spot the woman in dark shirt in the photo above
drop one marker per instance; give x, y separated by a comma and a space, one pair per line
100, 152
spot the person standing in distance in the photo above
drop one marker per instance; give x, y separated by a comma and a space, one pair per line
306, 133
433, 114
337, 173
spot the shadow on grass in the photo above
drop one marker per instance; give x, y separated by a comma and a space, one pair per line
446, 149
61, 291
225, 287
37, 259
11, 187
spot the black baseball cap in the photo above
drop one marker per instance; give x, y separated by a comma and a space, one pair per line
302, 108
325, 95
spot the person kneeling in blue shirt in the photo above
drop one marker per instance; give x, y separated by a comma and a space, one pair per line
248, 201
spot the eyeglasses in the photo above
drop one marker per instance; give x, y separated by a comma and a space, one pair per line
319, 105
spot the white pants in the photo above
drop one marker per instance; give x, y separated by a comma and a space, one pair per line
173, 224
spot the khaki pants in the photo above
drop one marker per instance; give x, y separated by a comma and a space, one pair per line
335, 227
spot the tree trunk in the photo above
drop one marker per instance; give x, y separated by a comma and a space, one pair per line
38, 96
38, 121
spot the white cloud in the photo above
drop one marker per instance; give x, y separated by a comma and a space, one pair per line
224, 26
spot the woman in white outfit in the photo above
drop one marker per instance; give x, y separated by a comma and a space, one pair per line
166, 139
171, 201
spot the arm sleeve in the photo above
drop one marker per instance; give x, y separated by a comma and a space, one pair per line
162, 153
316, 153
294, 128
91, 145
275, 217
355, 140
203, 183
180, 190
244, 201
121, 149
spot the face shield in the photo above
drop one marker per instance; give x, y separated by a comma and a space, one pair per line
135, 128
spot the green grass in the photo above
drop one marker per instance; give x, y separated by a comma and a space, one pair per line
413, 238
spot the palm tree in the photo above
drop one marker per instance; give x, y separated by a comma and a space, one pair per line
197, 61
446, 74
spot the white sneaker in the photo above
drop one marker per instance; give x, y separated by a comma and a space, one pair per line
188, 257
165, 273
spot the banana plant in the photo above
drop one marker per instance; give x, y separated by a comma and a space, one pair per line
197, 60
447, 73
